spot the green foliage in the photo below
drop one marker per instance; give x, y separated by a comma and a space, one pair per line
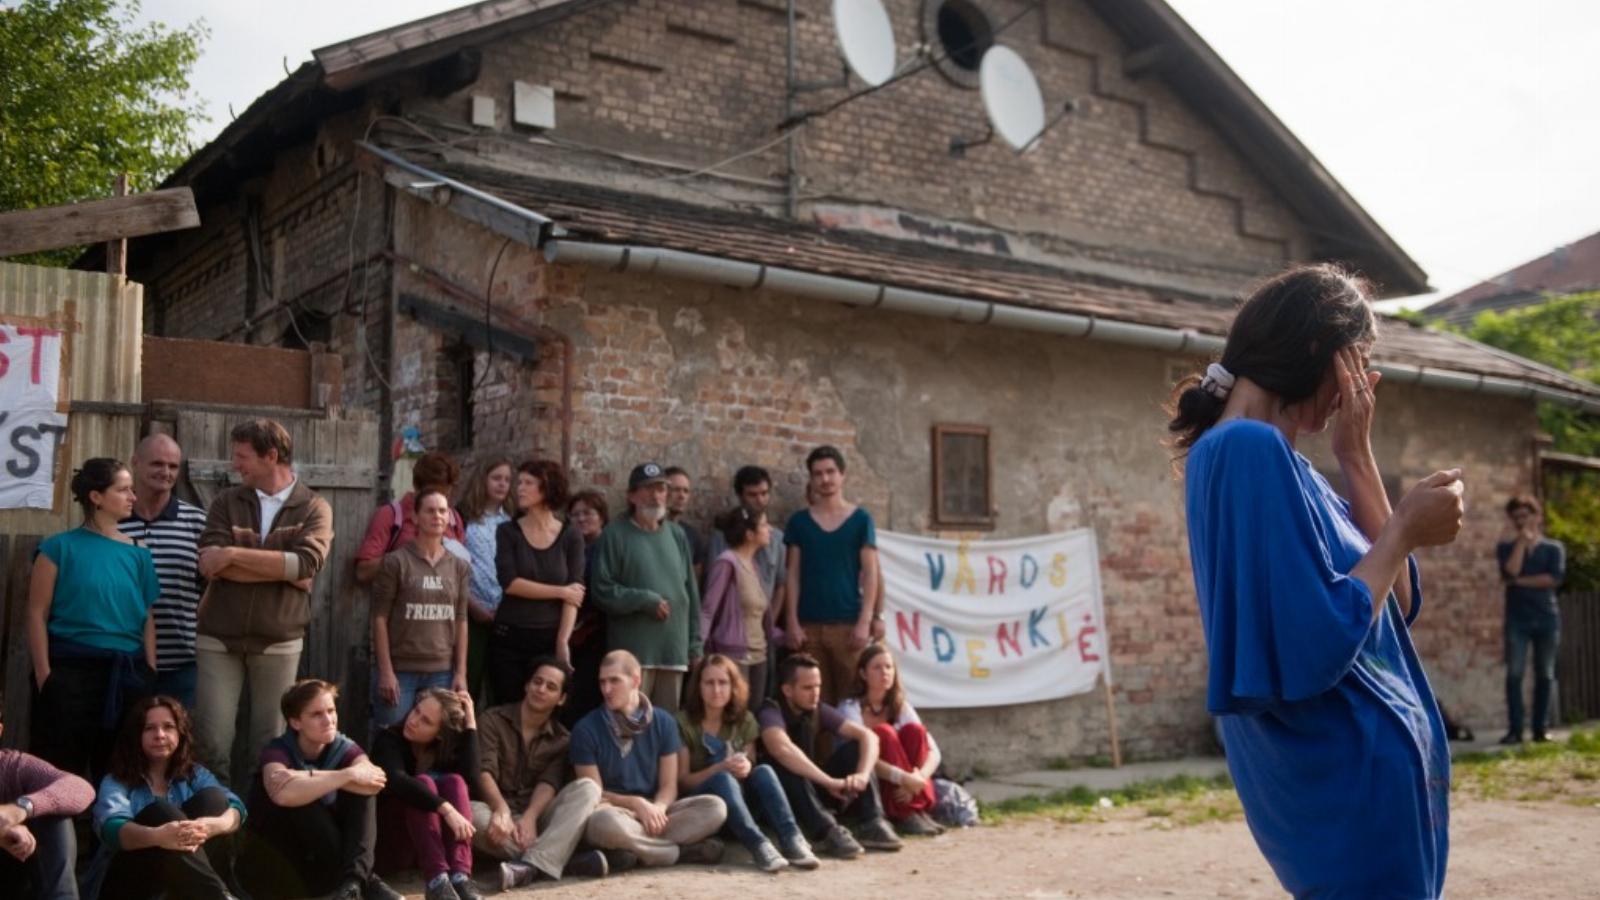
1564, 333
85, 95
1572, 516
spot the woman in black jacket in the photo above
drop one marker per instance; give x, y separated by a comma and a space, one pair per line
424, 815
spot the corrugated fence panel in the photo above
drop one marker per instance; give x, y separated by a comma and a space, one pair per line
104, 319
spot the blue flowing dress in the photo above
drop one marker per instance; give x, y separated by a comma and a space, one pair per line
1334, 741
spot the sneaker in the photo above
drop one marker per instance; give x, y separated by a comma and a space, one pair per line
516, 874
466, 888
879, 835
350, 889
918, 825
1511, 738
437, 889
840, 844
589, 864
1540, 737
706, 853
378, 891
798, 853
768, 859
618, 861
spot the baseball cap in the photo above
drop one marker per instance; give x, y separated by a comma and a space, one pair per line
645, 473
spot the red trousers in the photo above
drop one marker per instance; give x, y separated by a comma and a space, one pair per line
410, 838
905, 749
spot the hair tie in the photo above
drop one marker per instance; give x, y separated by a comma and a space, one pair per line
1218, 382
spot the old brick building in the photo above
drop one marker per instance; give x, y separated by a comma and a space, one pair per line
663, 274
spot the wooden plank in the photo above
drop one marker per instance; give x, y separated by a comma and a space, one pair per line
97, 221
117, 249
318, 476
17, 553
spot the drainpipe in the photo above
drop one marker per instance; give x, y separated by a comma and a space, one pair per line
441, 282
854, 292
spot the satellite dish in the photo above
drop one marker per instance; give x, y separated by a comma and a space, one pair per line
1011, 96
866, 39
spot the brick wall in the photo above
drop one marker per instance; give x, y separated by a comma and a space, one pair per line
712, 379
1134, 176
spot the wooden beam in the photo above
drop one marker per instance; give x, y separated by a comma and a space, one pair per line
1151, 60
117, 248
97, 221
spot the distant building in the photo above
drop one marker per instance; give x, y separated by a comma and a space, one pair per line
1568, 269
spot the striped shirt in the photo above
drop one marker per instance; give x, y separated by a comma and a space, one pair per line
173, 538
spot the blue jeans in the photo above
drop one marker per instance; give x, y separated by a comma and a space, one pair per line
760, 793
178, 683
384, 715
48, 872
1544, 633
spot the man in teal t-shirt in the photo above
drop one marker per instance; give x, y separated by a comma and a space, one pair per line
833, 576
644, 580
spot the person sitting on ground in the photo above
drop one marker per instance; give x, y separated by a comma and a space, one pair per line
789, 732
419, 616
313, 822
533, 813
630, 749
719, 740
907, 754
428, 760
37, 803
158, 810
736, 615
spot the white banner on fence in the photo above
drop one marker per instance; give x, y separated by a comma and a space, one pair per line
992, 623
31, 430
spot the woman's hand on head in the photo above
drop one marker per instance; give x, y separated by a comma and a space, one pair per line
1357, 403
1430, 513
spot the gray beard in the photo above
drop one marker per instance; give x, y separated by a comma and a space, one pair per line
653, 513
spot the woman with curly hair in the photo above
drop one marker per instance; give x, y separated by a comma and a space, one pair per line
161, 816
540, 562
424, 814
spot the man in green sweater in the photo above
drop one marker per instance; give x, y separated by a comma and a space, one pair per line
644, 580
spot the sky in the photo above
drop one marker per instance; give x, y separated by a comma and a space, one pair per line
1466, 128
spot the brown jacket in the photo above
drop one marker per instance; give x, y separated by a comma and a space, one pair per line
246, 616
518, 768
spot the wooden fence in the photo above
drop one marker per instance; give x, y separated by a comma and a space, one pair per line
1578, 660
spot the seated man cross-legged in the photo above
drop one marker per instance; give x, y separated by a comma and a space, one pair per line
533, 813
789, 731
630, 749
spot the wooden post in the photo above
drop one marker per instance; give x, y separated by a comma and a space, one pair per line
1111, 717
117, 249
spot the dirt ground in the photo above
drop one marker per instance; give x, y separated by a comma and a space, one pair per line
1499, 849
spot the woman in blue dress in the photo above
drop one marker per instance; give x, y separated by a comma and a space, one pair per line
1333, 737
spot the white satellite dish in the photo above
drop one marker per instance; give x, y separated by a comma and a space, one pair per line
1011, 96
866, 39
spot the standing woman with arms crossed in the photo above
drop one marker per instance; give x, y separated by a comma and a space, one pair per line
1333, 737
540, 562
90, 630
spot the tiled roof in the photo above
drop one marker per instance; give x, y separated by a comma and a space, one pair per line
609, 216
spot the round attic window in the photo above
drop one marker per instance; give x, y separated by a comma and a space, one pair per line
959, 33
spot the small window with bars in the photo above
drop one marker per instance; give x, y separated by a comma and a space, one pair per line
963, 482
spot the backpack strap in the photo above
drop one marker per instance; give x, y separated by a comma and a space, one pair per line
396, 518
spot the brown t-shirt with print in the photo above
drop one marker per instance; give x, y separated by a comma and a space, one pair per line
423, 602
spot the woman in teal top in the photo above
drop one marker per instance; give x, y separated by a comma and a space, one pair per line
90, 631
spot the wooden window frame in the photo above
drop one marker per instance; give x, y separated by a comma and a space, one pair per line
940, 520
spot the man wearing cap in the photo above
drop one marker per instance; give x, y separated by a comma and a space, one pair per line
644, 580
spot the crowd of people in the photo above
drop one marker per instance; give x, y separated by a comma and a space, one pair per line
628, 717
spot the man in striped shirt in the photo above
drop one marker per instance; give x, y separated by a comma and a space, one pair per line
171, 529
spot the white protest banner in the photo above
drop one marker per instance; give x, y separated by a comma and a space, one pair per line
31, 430
992, 623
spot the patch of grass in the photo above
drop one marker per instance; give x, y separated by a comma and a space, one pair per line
1182, 798
1534, 773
